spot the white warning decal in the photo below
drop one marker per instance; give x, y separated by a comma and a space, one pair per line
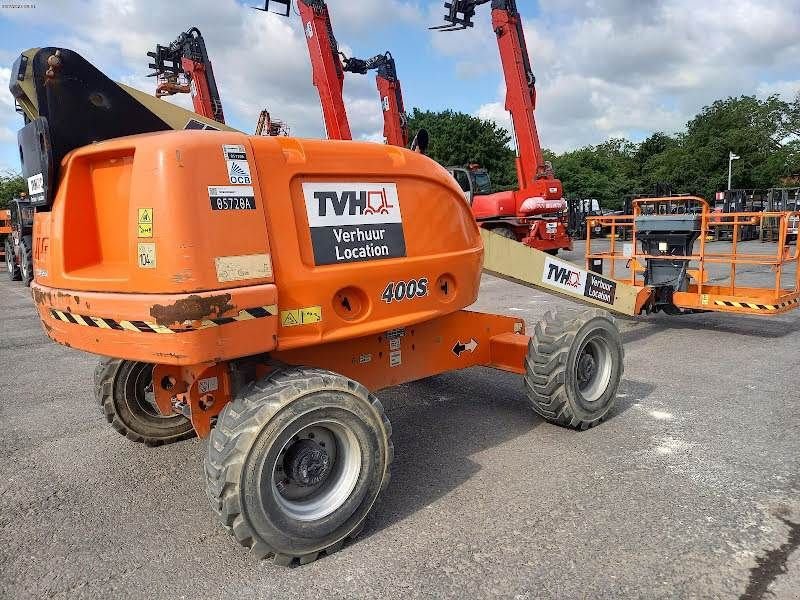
36, 185
238, 167
352, 222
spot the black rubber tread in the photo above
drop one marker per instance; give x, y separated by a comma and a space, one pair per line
105, 374
14, 274
546, 369
237, 427
26, 261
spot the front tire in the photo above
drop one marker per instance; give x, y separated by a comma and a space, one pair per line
124, 390
11, 261
26, 263
574, 367
296, 463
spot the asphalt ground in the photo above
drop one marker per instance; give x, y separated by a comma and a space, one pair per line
690, 490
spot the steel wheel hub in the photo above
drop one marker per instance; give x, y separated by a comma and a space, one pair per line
593, 368
307, 463
316, 470
586, 368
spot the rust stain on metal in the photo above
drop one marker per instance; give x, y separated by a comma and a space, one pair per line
42, 297
193, 308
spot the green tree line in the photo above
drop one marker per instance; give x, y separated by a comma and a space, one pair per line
11, 186
764, 133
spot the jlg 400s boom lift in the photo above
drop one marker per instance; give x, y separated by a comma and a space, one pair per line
535, 213
328, 67
266, 315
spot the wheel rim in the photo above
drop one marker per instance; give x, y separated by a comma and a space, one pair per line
316, 470
140, 395
594, 364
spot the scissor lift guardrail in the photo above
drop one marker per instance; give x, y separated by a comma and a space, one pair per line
700, 294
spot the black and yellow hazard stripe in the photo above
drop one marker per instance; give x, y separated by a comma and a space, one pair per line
247, 314
761, 307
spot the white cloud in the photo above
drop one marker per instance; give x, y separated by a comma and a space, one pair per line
260, 60
630, 67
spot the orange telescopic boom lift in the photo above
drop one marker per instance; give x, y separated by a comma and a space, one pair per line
536, 212
329, 65
259, 290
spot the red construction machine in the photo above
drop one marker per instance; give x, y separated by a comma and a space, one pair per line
534, 214
271, 127
329, 65
183, 67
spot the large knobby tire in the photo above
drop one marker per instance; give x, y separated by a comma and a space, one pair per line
11, 263
26, 262
296, 462
124, 390
573, 368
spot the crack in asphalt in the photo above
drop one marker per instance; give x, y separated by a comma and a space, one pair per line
771, 564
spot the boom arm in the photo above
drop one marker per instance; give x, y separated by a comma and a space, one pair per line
187, 57
520, 82
395, 125
326, 65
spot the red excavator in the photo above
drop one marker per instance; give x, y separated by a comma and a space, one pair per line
183, 67
329, 65
535, 214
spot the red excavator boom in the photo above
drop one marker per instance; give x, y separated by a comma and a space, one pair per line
329, 65
326, 65
183, 67
395, 125
540, 194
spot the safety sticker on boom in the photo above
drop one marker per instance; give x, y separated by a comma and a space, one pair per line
577, 282
354, 222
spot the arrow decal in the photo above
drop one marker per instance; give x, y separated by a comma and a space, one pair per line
460, 347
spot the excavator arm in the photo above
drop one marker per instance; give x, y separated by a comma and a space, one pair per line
184, 67
534, 173
395, 124
326, 65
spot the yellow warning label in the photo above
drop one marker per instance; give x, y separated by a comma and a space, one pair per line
145, 215
301, 316
704, 299
144, 225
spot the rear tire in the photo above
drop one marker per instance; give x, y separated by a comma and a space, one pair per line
123, 389
26, 263
11, 261
574, 367
296, 463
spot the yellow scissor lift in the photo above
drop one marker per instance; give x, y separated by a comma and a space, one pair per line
678, 270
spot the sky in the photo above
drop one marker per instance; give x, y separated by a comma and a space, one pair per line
604, 68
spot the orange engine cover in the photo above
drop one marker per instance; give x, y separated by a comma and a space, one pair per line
191, 247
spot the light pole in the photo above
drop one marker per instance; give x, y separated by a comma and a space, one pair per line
731, 157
